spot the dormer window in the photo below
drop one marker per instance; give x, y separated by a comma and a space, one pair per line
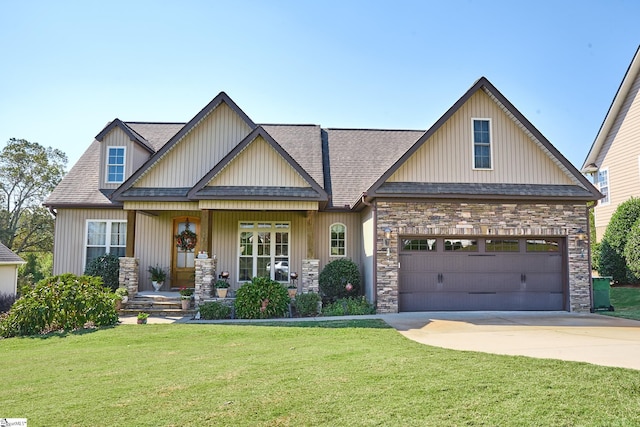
481, 143
115, 164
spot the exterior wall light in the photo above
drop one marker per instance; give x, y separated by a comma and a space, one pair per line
387, 239
581, 236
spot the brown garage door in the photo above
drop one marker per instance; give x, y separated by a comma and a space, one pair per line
440, 273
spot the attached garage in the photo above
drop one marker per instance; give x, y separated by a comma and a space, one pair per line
439, 273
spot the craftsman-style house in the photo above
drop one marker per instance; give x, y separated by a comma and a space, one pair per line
479, 212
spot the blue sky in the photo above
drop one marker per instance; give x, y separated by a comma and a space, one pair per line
69, 67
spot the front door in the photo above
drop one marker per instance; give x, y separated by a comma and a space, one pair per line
186, 231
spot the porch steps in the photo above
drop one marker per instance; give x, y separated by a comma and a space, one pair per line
155, 305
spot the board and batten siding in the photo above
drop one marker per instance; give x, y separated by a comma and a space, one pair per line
323, 223
259, 164
135, 155
620, 154
70, 235
368, 244
198, 151
448, 155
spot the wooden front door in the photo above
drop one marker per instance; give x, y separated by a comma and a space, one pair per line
182, 263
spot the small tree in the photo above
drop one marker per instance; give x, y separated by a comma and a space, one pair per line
336, 277
612, 261
106, 266
632, 251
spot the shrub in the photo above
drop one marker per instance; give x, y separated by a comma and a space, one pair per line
214, 310
106, 266
306, 304
6, 301
334, 279
632, 251
260, 299
595, 255
64, 302
349, 307
611, 261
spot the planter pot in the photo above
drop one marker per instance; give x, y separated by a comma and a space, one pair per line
292, 293
125, 299
157, 285
186, 303
142, 321
222, 292
118, 305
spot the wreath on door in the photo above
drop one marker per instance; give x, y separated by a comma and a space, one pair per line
186, 239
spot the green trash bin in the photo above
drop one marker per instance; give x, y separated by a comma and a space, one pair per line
602, 293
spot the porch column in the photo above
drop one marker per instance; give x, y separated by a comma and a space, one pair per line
310, 275
205, 278
128, 275
311, 228
131, 234
205, 231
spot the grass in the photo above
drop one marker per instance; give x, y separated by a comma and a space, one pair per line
239, 375
626, 302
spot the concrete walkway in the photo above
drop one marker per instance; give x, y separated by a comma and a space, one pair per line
592, 338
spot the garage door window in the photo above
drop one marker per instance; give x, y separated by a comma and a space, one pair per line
463, 245
419, 244
501, 245
543, 245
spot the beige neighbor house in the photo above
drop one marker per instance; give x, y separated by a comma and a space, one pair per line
9, 263
614, 157
480, 212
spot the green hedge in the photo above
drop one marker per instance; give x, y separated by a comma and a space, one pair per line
261, 298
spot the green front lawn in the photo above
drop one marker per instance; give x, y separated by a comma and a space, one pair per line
626, 302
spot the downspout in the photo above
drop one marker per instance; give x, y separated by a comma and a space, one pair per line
374, 210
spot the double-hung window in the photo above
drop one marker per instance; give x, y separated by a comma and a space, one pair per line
264, 250
105, 237
115, 164
603, 185
481, 143
338, 239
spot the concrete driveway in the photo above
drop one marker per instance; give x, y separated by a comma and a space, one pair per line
591, 338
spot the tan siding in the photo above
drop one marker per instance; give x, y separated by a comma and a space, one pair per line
368, 253
259, 165
620, 155
70, 229
225, 238
161, 206
447, 155
199, 151
291, 205
8, 277
354, 236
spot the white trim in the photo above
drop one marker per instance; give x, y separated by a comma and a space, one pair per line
491, 145
286, 226
107, 164
345, 240
107, 241
601, 202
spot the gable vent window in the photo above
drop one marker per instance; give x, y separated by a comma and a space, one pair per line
603, 185
482, 144
115, 164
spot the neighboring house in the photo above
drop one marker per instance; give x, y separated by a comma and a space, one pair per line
480, 212
9, 263
614, 157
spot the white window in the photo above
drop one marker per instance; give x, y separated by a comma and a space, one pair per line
603, 185
338, 238
115, 164
105, 237
264, 250
481, 143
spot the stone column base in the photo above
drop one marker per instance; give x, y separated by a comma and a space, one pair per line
205, 279
310, 275
129, 275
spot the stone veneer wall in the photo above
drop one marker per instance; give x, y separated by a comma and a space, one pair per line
128, 275
482, 219
310, 275
205, 279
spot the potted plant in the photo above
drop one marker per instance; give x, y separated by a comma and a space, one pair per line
185, 297
292, 290
222, 287
142, 318
158, 276
120, 296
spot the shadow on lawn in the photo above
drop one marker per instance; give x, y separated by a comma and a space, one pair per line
350, 323
64, 334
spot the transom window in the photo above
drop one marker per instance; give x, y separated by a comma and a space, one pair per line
482, 143
543, 245
419, 244
338, 236
501, 245
264, 250
105, 237
603, 185
115, 164
466, 245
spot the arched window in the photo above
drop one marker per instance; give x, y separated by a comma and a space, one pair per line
338, 239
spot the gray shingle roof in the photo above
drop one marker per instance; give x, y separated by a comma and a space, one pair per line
470, 189
155, 192
258, 192
8, 257
157, 134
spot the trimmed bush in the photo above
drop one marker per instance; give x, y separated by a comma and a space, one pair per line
334, 279
6, 301
262, 298
106, 266
349, 307
61, 303
632, 251
611, 261
306, 304
214, 310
